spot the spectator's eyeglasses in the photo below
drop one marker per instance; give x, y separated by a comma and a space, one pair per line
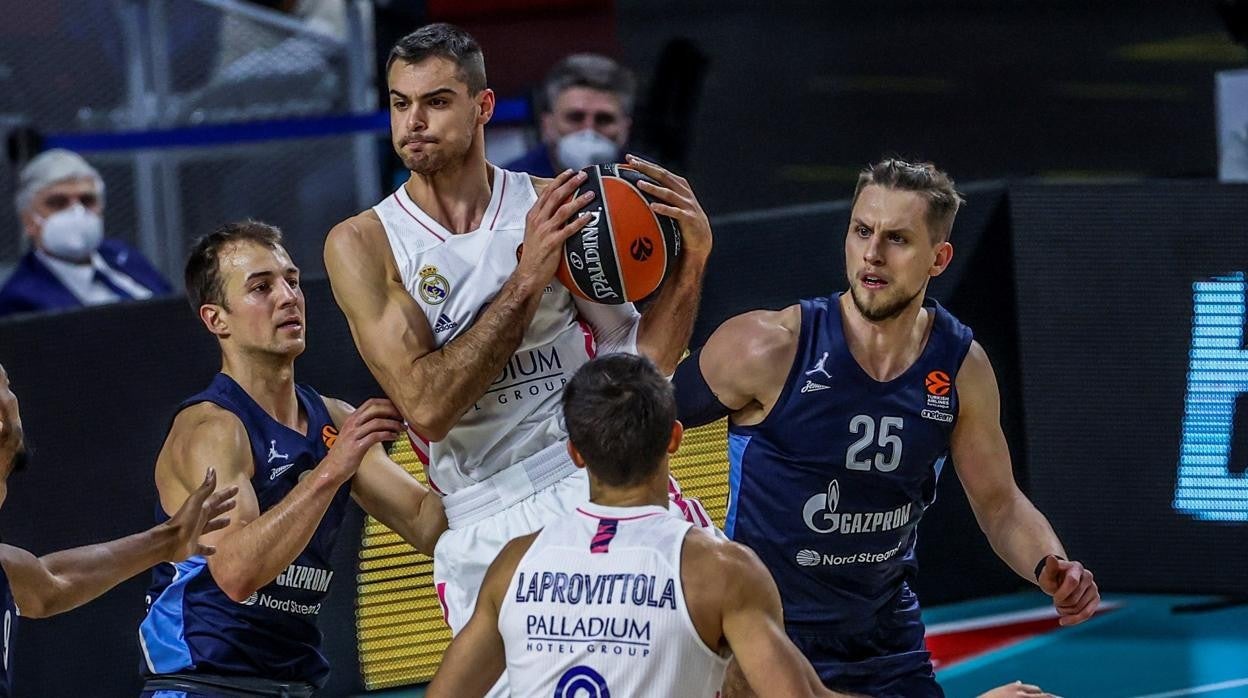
601, 119
60, 202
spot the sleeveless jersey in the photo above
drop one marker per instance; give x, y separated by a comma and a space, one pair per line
830, 487
596, 605
192, 626
453, 277
10, 634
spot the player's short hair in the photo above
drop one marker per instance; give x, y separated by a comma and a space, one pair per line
204, 284
447, 41
943, 199
590, 70
619, 412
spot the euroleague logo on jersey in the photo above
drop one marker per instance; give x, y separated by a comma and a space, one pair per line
938, 383
329, 435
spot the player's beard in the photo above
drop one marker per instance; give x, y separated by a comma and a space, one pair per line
887, 309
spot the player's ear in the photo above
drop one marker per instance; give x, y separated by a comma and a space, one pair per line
944, 255
485, 102
213, 317
577, 459
678, 432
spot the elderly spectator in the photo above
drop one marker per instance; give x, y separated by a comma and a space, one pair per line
586, 113
60, 201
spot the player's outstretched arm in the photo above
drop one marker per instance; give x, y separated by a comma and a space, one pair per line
433, 387
1018, 532
663, 330
256, 547
386, 491
58, 582
740, 370
477, 657
753, 626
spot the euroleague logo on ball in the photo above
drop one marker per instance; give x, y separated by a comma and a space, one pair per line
938, 383
641, 249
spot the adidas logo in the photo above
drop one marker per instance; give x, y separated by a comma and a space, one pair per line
812, 387
444, 324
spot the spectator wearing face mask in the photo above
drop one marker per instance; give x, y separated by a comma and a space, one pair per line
60, 201
586, 107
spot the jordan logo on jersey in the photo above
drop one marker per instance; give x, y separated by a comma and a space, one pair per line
818, 368
273, 454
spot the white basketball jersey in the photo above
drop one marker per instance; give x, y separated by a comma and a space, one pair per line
453, 277
596, 608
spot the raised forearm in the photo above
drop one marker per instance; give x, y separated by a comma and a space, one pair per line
1020, 534
256, 553
445, 383
665, 327
82, 574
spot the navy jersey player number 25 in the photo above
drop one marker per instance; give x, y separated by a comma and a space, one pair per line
859, 458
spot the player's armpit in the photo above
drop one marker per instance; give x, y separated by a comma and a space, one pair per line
477, 657
753, 627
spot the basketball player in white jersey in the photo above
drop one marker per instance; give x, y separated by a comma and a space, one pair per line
448, 288
618, 597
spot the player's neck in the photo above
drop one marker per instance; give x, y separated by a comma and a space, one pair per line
885, 348
270, 381
645, 494
456, 196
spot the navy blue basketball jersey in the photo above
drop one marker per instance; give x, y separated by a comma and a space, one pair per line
830, 487
10, 633
192, 626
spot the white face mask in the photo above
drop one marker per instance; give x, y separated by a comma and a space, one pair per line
584, 148
72, 234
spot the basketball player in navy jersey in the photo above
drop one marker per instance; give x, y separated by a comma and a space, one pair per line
244, 620
672, 601
842, 411
38, 587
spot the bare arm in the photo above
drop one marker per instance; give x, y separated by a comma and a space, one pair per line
434, 386
664, 329
746, 362
257, 546
1017, 531
384, 489
62, 581
477, 657
753, 626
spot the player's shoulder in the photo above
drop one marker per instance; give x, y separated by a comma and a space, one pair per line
716, 557
206, 425
363, 231
975, 373
760, 337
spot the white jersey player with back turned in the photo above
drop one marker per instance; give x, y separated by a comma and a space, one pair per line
448, 286
618, 597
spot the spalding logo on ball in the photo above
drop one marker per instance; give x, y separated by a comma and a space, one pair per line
626, 250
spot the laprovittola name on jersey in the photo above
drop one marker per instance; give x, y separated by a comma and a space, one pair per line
599, 594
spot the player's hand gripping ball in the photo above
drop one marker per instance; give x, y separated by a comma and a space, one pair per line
626, 250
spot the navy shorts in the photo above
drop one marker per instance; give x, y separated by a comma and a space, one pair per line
889, 660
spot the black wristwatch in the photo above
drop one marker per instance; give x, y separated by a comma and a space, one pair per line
1040, 565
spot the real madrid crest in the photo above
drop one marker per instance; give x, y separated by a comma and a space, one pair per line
433, 287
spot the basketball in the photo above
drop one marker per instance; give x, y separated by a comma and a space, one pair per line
626, 250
